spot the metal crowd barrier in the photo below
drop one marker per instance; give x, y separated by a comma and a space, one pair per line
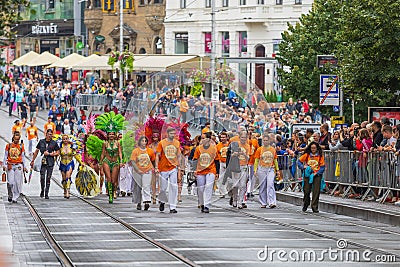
91, 100
368, 175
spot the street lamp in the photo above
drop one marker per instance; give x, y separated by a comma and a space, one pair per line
214, 94
121, 39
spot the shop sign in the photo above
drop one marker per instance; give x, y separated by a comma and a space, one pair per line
45, 29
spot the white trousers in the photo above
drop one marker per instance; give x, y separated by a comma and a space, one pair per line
205, 184
221, 187
125, 179
169, 178
266, 178
252, 180
32, 145
143, 182
237, 183
15, 180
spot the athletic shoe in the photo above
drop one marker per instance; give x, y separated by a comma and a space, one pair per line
46, 197
202, 208
173, 211
14, 201
231, 201
206, 210
304, 209
162, 206
315, 211
244, 205
139, 206
10, 199
272, 206
263, 206
146, 206
41, 194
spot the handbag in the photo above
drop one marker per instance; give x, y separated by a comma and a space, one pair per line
37, 164
4, 177
14, 106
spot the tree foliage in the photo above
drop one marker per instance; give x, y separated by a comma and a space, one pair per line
363, 34
9, 16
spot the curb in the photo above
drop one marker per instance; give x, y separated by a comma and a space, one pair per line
374, 215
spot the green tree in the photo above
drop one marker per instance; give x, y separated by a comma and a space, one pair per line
363, 34
9, 16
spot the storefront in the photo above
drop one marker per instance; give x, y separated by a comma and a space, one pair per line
55, 36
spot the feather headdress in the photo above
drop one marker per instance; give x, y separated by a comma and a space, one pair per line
151, 126
182, 131
90, 124
110, 122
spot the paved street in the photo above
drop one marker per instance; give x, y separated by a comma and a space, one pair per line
225, 237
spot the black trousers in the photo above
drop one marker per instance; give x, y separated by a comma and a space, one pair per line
45, 176
315, 188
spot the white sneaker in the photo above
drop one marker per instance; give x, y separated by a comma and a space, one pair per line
397, 203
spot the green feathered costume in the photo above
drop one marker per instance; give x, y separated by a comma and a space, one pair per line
128, 144
107, 122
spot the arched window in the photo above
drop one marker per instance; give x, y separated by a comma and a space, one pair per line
142, 51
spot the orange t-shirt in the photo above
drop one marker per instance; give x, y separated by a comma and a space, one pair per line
266, 156
222, 149
15, 153
315, 162
169, 152
16, 128
49, 125
143, 159
236, 138
32, 132
206, 159
246, 149
253, 148
205, 130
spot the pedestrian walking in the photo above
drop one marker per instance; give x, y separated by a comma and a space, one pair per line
312, 164
206, 171
14, 164
142, 160
222, 149
266, 168
33, 137
48, 149
167, 162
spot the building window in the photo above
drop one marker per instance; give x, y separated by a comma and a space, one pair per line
142, 2
275, 48
50, 4
157, 1
207, 42
279, 2
261, 2
208, 3
242, 44
181, 43
242, 2
298, 2
225, 3
183, 3
225, 44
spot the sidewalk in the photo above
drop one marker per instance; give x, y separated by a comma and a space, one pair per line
367, 210
6, 244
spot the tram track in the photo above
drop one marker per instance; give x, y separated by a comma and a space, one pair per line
314, 232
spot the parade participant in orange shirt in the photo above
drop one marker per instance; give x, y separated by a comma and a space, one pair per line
13, 163
16, 127
49, 125
141, 161
238, 179
222, 149
266, 167
33, 137
206, 171
312, 163
155, 179
253, 148
167, 162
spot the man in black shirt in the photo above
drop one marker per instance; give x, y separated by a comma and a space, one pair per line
378, 136
49, 149
23, 110
33, 109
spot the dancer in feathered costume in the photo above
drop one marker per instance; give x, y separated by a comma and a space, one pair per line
109, 152
68, 146
90, 129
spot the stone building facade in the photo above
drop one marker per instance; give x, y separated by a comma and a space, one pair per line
143, 26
